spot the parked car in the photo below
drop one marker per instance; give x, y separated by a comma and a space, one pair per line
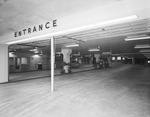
99, 65
105, 62
65, 68
75, 64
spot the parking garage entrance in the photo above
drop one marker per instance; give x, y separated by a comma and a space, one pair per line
79, 51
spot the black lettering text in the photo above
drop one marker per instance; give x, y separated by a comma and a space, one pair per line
19, 33
54, 23
34, 29
46, 25
24, 31
40, 27
15, 34
29, 30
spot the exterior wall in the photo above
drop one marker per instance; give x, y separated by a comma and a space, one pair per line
3, 63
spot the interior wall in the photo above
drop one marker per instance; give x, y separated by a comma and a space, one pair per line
3, 63
32, 61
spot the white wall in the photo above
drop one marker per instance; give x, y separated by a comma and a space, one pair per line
3, 63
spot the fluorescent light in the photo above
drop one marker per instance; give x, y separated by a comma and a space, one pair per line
106, 53
136, 38
77, 29
33, 50
142, 46
72, 45
115, 54
93, 50
76, 54
145, 51
36, 55
58, 52
11, 52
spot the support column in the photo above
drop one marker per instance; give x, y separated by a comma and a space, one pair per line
3, 63
66, 54
133, 60
109, 61
97, 56
52, 63
116, 61
20, 65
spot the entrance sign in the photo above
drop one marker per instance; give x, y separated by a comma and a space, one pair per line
38, 28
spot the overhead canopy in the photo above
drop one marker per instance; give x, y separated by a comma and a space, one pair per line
18, 15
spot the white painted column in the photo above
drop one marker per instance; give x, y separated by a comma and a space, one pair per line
66, 54
52, 63
3, 63
97, 56
20, 64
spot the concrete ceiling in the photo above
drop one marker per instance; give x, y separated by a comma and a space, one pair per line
108, 38
19, 14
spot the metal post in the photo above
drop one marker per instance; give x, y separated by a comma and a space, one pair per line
52, 64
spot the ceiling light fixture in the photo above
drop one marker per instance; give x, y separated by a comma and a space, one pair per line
94, 50
11, 52
106, 53
77, 29
58, 52
33, 50
142, 46
72, 45
137, 38
78, 54
145, 51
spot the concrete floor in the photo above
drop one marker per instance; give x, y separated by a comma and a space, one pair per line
43, 73
120, 91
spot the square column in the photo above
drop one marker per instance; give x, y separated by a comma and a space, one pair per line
97, 56
3, 63
66, 54
133, 61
